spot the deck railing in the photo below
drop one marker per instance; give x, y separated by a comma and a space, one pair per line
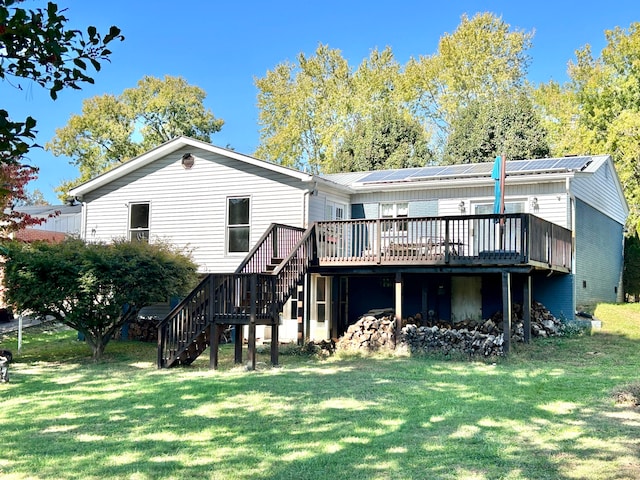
276, 243
456, 240
231, 298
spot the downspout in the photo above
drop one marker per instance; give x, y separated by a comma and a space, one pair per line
571, 211
306, 204
83, 222
571, 221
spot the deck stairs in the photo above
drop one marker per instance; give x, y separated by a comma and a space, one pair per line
253, 295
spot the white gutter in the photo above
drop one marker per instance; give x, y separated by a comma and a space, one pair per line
457, 182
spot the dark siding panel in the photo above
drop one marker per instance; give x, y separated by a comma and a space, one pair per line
357, 211
599, 256
555, 293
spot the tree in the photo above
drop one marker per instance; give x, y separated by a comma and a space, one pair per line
94, 288
312, 111
302, 108
387, 139
598, 110
36, 45
13, 179
114, 129
482, 60
308, 108
631, 277
508, 125
33, 198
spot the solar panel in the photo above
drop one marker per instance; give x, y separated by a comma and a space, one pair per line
375, 176
454, 170
480, 168
428, 171
400, 174
568, 163
573, 163
517, 166
541, 164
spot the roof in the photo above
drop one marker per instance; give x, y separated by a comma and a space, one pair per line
46, 210
172, 146
379, 178
33, 235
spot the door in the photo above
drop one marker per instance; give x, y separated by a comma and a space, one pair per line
466, 298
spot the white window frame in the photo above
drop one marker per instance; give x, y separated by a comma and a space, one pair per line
320, 327
393, 210
229, 227
138, 233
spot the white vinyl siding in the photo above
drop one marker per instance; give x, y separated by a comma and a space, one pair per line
599, 189
189, 205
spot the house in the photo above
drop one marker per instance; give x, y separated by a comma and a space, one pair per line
59, 221
305, 255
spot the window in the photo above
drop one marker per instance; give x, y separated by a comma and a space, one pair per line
139, 222
238, 225
394, 210
334, 211
321, 299
509, 207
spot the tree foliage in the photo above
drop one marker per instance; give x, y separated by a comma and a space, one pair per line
37, 46
507, 125
631, 278
307, 108
114, 129
94, 288
13, 180
598, 110
386, 139
316, 112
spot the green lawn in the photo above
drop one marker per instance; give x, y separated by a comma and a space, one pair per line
546, 412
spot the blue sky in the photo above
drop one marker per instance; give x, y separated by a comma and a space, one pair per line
223, 46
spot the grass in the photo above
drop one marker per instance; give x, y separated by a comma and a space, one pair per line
551, 410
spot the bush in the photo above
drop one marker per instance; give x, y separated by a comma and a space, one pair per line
94, 288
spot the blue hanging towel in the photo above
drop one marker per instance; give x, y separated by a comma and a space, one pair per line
496, 173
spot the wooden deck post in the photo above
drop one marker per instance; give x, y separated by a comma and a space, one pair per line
398, 304
275, 326
506, 310
526, 309
274, 342
214, 345
238, 339
300, 313
253, 291
214, 334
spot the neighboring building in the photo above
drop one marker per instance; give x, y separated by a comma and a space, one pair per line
420, 240
60, 221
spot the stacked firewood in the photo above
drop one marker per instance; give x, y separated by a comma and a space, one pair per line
374, 331
478, 338
451, 340
144, 329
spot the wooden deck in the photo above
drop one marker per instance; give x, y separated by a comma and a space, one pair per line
472, 241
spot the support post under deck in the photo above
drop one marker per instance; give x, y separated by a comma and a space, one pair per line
398, 304
253, 290
237, 343
526, 309
506, 311
214, 345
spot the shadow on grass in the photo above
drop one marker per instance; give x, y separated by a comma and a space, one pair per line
529, 416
